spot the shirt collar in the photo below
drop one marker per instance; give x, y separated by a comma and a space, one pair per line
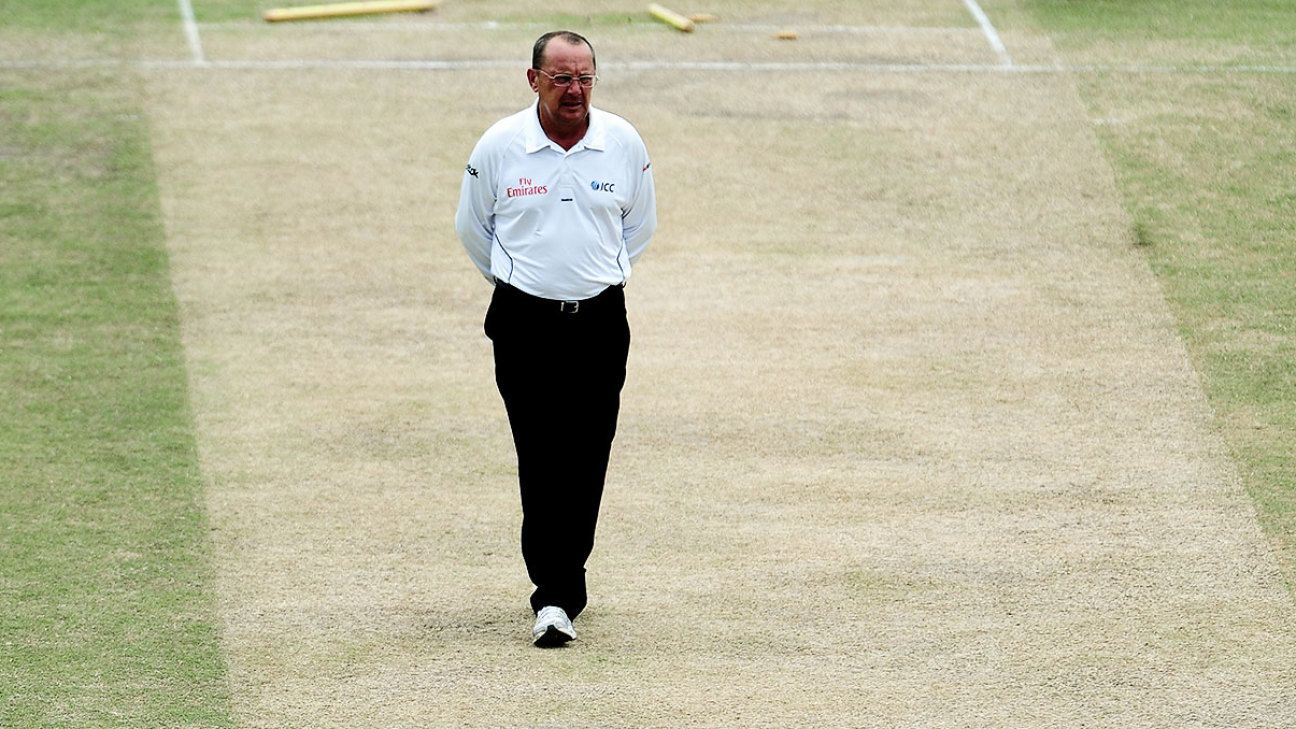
595, 137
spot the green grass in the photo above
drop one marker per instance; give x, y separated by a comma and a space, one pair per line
1205, 166
107, 16
1251, 22
105, 614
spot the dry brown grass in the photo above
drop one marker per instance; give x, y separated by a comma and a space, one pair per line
908, 438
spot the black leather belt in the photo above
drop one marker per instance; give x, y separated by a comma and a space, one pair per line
605, 297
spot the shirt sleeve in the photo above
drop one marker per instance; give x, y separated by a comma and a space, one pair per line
639, 219
475, 218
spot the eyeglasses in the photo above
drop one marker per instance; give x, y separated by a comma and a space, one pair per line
565, 79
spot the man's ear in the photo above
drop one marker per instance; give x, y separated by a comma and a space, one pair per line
533, 78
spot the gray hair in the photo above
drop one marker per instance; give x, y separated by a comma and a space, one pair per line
537, 51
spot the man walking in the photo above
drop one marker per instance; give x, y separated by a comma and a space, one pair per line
557, 204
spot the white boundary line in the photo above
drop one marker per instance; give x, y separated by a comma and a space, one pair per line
190, 25
990, 33
703, 66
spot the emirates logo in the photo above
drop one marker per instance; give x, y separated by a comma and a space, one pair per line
526, 188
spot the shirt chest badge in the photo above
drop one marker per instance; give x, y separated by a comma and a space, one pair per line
526, 187
597, 186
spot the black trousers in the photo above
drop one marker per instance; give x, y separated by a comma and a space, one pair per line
560, 373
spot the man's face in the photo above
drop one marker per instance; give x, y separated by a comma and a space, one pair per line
564, 106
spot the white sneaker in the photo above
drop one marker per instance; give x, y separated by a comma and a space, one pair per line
552, 627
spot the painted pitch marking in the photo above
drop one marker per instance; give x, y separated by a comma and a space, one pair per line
714, 66
989, 30
406, 26
190, 25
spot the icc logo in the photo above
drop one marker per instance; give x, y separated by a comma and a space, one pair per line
597, 186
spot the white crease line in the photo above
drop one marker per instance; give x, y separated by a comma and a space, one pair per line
436, 25
705, 66
359, 65
190, 25
990, 33
354, 25
845, 29
718, 66
66, 63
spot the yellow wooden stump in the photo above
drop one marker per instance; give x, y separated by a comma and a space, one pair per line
671, 18
343, 10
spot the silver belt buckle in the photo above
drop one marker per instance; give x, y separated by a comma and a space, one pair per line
569, 307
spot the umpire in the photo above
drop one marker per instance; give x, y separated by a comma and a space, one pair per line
556, 206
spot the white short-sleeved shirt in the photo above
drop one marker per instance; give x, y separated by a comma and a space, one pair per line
560, 224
